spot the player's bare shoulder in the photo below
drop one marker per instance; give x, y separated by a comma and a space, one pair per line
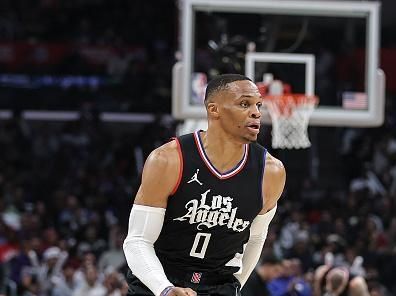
160, 175
274, 181
165, 157
274, 166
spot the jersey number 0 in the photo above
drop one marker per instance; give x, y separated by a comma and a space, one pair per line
200, 253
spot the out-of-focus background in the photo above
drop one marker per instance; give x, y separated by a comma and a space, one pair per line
86, 94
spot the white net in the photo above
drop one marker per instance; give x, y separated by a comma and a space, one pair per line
290, 117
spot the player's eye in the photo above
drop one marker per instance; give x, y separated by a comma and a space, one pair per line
259, 105
244, 104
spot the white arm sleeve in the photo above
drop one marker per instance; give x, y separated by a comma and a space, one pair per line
145, 224
258, 234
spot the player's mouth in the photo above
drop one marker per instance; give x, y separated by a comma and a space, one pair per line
254, 127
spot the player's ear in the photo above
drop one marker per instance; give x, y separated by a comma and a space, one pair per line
213, 109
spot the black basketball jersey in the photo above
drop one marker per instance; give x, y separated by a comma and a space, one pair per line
208, 218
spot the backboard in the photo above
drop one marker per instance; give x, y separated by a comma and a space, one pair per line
330, 48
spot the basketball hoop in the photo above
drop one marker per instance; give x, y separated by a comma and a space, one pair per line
290, 117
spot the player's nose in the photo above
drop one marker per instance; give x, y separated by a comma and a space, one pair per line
255, 113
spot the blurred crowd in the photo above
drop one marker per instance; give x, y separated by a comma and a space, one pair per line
66, 191
65, 195
96, 38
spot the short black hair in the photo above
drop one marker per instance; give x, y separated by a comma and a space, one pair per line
221, 82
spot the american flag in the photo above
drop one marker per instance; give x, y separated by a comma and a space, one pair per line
354, 100
196, 277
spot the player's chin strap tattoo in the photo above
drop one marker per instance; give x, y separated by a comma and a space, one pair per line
145, 224
258, 234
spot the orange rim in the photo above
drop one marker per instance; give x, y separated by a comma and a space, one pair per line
286, 103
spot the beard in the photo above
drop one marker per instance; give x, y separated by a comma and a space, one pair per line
249, 139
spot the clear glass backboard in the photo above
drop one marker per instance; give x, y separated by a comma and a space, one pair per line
326, 48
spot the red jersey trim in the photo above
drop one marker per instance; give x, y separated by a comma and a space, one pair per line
179, 151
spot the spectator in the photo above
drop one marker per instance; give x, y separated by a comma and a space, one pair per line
92, 286
113, 257
53, 260
290, 282
268, 269
114, 283
65, 283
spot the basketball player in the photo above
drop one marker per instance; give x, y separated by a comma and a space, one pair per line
202, 212
338, 281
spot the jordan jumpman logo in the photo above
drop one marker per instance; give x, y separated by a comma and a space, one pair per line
195, 178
